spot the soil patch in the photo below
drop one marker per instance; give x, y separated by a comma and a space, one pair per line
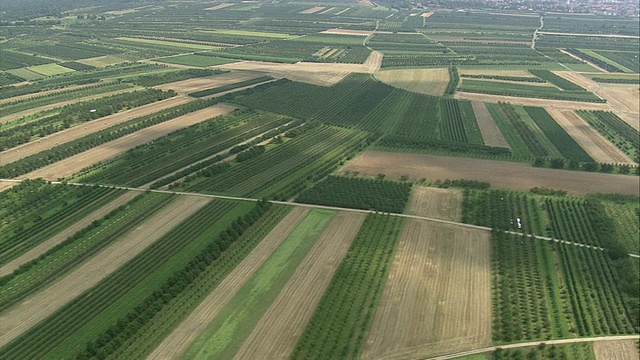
501, 174
197, 84
445, 204
423, 81
491, 134
563, 104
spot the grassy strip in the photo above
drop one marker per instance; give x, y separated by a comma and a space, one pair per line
556, 80
66, 333
343, 317
359, 193
71, 148
454, 79
226, 333
506, 78
155, 330
61, 259
616, 81
219, 89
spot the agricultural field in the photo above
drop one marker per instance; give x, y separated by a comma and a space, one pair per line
354, 180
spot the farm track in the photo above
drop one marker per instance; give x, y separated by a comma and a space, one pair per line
8, 118
277, 333
445, 204
491, 134
178, 342
84, 129
501, 174
28, 313
73, 164
536, 343
426, 308
4, 185
596, 145
45, 246
615, 350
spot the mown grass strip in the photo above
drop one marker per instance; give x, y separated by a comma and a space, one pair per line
227, 331
343, 317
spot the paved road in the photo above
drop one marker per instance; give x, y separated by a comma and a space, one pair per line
536, 343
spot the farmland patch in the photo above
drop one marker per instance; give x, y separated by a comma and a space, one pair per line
423, 81
445, 204
491, 134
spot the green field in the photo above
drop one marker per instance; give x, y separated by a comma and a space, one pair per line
50, 69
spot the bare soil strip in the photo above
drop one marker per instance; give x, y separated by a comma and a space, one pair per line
445, 204
427, 14
62, 236
615, 350
78, 131
197, 84
438, 296
31, 311
573, 105
175, 345
490, 132
596, 145
219, 6
423, 81
4, 185
103, 61
501, 174
347, 32
277, 333
312, 10
71, 165
35, 110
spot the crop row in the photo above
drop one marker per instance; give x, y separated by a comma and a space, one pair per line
556, 80
74, 114
600, 63
340, 323
454, 79
558, 136
59, 260
65, 333
68, 149
522, 139
34, 211
415, 144
148, 162
359, 193
626, 59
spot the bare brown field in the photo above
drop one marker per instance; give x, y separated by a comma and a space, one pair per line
87, 128
312, 10
10, 267
4, 185
445, 204
596, 145
573, 105
621, 97
491, 134
327, 10
219, 6
423, 81
276, 334
35, 110
579, 79
427, 14
177, 343
73, 164
21, 317
630, 118
501, 174
437, 299
325, 74
103, 61
197, 84
347, 32
615, 350
491, 72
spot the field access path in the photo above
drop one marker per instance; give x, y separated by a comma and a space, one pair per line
335, 208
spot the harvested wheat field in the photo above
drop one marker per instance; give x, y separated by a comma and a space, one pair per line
197, 84
491, 134
621, 97
90, 127
178, 342
26, 314
277, 333
562, 104
596, 145
423, 81
444, 204
501, 174
45, 246
73, 164
616, 350
437, 299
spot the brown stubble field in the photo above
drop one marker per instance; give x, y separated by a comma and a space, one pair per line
197, 84
437, 299
423, 81
178, 342
78, 131
491, 134
277, 333
616, 350
501, 174
444, 204
29, 312
73, 164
